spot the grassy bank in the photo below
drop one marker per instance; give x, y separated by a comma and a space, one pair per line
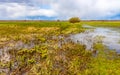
103, 23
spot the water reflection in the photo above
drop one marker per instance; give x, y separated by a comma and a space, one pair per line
110, 37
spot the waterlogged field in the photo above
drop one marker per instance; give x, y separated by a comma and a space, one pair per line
58, 48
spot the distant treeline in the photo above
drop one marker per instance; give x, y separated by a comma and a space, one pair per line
52, 20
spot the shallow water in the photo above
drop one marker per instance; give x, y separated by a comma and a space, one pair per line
16, 45
110, 37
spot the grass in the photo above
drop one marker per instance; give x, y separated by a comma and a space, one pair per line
41, 48
103, 23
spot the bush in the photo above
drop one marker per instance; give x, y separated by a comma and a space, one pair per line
74, 20
58, 20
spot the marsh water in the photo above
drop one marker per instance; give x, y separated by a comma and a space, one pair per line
110, 37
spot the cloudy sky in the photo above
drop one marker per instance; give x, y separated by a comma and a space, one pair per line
59, 9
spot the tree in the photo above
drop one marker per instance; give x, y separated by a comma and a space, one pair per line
74, 20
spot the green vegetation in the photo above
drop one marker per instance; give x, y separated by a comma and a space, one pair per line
103, 23
74, 20
41, 48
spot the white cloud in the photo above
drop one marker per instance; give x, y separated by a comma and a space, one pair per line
63, 9
87, 9
17, 10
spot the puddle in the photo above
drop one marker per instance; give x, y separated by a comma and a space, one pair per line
110, 37
5, 56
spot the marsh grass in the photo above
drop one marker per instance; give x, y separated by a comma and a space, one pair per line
115, 24
52, 53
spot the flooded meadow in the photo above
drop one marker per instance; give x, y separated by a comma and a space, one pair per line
58, 48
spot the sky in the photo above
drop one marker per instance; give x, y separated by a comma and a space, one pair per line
59, 9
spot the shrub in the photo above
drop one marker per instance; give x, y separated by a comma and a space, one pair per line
74, 20
58, 20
